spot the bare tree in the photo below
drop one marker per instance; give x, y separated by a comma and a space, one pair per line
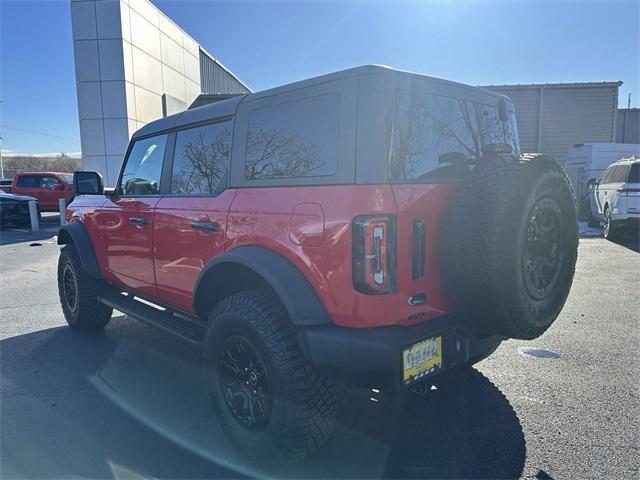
280, 153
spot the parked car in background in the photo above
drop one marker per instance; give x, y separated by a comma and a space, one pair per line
5, 185
46, 187
14, 209
585, 163
616, 196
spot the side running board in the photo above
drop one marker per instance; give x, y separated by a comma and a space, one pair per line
185, 326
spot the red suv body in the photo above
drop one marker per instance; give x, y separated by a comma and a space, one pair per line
301, 235
47, 187
315, 174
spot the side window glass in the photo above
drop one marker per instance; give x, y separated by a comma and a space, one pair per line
48, 182
294, 139
143, 169
603, 178
619, 174
28, 181
201, 159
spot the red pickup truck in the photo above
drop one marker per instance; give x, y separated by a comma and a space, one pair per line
46, 187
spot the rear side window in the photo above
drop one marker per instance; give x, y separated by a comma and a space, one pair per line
48, 182
618, 174
634, 174
142, 172
201, 159
294, 139
29, 181
426, 126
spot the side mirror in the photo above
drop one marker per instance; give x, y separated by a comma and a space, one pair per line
592, 182
452, 158
88, 183
493, 149
57, 187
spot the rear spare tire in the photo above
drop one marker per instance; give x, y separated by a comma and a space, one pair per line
511, 245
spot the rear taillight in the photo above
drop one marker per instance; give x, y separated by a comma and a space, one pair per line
374, 253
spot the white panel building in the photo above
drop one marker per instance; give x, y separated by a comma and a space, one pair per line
134, 65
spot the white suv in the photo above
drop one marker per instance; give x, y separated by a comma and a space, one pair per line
616, 196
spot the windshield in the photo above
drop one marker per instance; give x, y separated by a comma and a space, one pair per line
68, 179
426, 126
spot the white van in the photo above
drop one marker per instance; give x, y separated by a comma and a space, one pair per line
585, 163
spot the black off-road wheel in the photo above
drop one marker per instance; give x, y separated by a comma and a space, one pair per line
511, 245
274, 406
79, 292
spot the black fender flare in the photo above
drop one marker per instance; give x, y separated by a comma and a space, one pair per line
294, 290
76, 233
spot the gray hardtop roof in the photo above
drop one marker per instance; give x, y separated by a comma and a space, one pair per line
363, 70
228, 107
223, 108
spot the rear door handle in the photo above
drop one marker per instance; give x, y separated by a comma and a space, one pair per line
138, 220
205, 226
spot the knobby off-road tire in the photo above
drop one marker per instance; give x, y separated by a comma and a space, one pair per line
252, 355
511, 245
79, 292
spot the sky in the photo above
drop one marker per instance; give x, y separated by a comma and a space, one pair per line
271, 43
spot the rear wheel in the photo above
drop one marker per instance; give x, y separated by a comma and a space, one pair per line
271, 402
609, 230
78, 292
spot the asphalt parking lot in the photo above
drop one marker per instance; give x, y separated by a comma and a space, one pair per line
128, 402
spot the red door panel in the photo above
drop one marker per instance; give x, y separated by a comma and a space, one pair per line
188, 232
124, 226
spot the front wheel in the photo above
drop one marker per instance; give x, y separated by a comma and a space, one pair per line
274, 406
78, 292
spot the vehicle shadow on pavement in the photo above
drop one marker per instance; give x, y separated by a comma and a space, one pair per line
129, 402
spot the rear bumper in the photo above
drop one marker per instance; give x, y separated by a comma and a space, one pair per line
373, 357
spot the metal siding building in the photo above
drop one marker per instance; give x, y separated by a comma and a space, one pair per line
554, 117
628, 130
215, 78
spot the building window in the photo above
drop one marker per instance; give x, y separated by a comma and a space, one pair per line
294, 139
201, 159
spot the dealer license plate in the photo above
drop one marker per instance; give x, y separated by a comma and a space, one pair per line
422, 359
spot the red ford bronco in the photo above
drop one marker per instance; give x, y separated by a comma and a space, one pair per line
370, 226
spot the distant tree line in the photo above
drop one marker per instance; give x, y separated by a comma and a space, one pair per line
30, 163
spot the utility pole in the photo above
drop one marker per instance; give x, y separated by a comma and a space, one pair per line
624, 123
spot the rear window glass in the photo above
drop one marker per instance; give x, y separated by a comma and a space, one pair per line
29, 181
426, 126
634, 174
201, 159
294, 139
